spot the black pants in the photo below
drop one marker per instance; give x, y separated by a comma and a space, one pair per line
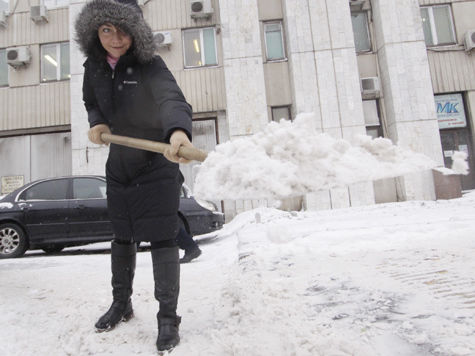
185, 241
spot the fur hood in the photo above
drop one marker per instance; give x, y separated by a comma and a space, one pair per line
126, 15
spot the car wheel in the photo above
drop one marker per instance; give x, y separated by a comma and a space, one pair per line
13, 242
55, 249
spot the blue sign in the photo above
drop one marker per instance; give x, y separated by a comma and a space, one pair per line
450, 111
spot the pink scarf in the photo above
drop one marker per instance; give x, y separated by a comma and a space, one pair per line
112, 61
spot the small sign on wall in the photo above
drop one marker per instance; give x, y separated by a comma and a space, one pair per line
10, 183
450, 111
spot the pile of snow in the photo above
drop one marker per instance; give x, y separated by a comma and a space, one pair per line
459, 162
293, 158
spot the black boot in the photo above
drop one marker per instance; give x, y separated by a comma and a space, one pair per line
190, 255
186, 242
123, 270
166, 273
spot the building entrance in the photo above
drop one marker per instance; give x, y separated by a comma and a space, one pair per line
459, 140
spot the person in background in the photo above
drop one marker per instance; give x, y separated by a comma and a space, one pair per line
185, 242
128, 90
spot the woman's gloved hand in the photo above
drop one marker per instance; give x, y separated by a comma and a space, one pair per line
94, 134
177, 139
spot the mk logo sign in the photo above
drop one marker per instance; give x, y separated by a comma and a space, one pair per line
447, 108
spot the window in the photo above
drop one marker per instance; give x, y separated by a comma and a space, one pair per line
51, 190
438, 26
53, 4
55, 62
3, 68
359, 21
371, 116
274, 40
205, 137
4, 5
281, 112
89, 188
199, 47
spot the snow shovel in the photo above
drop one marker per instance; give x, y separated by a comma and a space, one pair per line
189, 153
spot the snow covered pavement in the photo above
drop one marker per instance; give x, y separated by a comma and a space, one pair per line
392, 279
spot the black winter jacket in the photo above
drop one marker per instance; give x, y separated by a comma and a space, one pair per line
139, 98
140, 101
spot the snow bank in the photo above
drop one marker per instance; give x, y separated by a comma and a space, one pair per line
293, 158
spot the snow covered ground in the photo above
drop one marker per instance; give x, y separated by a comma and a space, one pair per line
392, 279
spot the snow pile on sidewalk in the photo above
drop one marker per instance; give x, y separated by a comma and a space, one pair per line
293, 158
384, 280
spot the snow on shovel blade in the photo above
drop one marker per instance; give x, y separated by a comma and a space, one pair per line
292, 158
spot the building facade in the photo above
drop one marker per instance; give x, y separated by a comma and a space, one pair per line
402, 69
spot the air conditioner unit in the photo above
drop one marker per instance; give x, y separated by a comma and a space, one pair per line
3, 19
469, 40
370, 87
357, 5
18, 56
163, 38
201, 8
39, 13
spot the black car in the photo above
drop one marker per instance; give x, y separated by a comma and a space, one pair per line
54, 213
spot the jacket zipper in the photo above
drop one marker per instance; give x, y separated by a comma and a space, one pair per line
113, 89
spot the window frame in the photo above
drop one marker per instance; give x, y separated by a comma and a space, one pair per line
372, 126
6, 68
289, 109
200, 29
433, 28
368, 32
7, 2
58, 56
282, 38
50, 6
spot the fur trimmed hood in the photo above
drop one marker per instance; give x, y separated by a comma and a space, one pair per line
124, 14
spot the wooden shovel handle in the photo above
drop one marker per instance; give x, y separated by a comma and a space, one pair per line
190, 153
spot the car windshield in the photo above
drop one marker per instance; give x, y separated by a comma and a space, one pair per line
51, 190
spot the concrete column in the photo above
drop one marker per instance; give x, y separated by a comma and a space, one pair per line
300, 46
407, 88
303, 76
243, 67
325, 80
347, 83
246, 104
87, 158
471, 112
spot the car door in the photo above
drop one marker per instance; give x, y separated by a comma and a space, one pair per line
89, 218
45, 210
